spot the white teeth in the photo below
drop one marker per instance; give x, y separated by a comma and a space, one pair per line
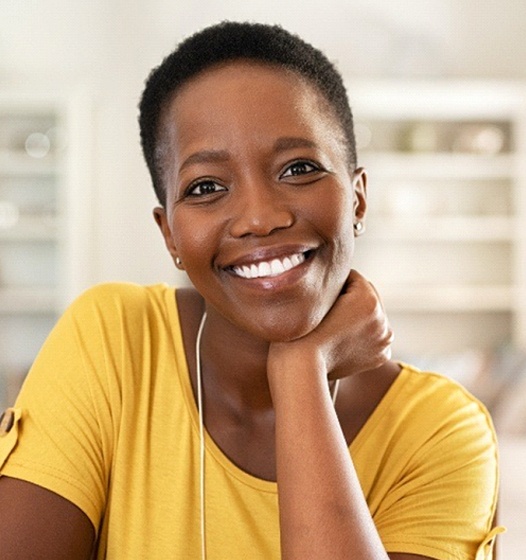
264, 269
297, 259
269, 269
277, 267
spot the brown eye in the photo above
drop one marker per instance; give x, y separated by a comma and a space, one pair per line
299, 168
204, 188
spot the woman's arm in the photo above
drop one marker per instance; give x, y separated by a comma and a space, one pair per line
323, 512
52, 469
38, 524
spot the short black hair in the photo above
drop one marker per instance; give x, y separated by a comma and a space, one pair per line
229, 41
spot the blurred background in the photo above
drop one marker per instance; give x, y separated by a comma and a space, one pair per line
438, 92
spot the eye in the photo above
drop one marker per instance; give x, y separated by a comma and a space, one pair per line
204, 188
299, 168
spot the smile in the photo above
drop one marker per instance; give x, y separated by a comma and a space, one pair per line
269, 269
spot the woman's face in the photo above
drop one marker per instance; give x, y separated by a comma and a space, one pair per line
260, 198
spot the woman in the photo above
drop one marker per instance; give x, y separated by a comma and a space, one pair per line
281, 353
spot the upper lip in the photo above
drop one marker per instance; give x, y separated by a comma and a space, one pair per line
261, 254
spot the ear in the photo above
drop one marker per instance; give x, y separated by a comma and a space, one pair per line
359, 183
161, 219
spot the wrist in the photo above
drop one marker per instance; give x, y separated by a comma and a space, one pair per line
291, 370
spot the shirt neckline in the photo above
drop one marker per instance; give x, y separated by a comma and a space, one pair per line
213, 449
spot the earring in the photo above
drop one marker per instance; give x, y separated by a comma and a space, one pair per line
358, 227
179, 263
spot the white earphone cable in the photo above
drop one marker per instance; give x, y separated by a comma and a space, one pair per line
199, 383
335, 391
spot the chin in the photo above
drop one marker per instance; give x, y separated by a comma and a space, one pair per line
285, 326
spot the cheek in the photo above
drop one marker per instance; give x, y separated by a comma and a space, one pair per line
197, 239
339, 228
345, 235
190, 238
333, 216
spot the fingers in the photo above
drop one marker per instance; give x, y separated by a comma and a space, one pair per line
366, 292
355, 335
376, 329
354, 278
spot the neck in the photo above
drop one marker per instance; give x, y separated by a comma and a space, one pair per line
234, 365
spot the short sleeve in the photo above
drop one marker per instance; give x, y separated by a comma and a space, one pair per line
443, 502
62, 437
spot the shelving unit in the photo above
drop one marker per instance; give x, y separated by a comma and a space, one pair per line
44, 221
445, 236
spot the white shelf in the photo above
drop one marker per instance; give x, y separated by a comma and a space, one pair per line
436, 99
400, 165
46, 229
447, 299
20, 164
489, 229
445, 231
31, 229
14, 301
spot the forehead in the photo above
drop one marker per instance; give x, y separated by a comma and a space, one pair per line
249, 96
245, 68
251, 76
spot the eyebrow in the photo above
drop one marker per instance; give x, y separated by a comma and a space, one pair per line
291, 142
205, 156
219, 156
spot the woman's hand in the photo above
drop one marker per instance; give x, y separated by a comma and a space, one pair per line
353, 337
323, 512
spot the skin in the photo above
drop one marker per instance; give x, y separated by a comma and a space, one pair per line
257, 170
260, 210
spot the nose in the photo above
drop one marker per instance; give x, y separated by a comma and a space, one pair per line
259, 210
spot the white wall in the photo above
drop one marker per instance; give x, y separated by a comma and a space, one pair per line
108, 46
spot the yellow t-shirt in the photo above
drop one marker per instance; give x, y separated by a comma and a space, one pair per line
107, 419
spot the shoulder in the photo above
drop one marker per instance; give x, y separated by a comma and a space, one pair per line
119, 292
433, 433
442, 418
437, 395
122, 301
118, 314
436, 451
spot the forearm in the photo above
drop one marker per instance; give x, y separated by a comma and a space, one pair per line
323, 513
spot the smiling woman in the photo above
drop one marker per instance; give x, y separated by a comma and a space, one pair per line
257, 415
256, 169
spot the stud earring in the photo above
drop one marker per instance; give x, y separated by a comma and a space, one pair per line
179, 263
358, 227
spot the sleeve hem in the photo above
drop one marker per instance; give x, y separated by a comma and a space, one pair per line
63, 488
430, 551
